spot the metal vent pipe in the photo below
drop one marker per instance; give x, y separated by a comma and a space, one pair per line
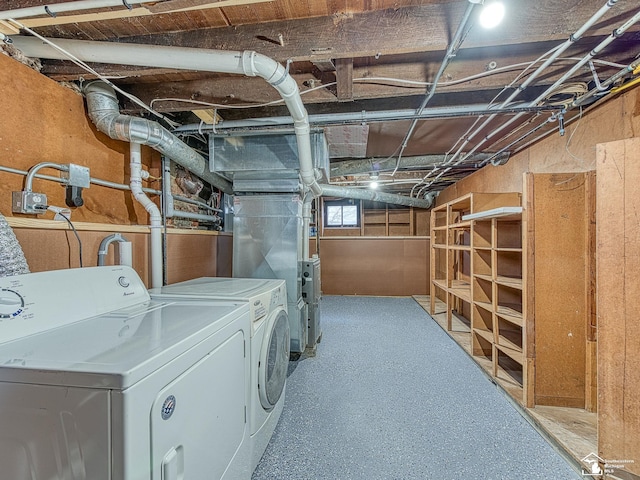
12, 261
247, 63
102, 105
374, 196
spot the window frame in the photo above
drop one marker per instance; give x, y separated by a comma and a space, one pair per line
341, 203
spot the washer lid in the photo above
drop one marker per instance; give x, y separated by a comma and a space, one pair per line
117, 349
216, 287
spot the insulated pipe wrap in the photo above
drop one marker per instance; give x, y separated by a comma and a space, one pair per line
362, 194
12, 261
102, 105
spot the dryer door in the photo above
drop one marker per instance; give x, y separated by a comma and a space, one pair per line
274, 360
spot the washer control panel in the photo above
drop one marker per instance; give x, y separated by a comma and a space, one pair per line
37, 302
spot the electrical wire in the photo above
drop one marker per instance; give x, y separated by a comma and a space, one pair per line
86, 67
75, 232
571, 138
379, 80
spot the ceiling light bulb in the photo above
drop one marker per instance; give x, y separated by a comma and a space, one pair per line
492, 14
373, 185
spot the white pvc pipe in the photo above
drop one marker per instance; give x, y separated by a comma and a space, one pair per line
155, 218
65, 7
247, 63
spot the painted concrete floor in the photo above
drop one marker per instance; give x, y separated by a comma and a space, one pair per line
390, 396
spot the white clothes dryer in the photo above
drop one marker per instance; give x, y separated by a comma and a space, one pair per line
267, 300
98, 381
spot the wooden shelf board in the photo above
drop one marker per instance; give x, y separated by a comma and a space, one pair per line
460, 225
511, 213
485, 305
509, 339
512, 282
510, 314
487, 335
506, 376
441, 283
486, 278
440, 228
485, 249
461, 248
511, 318
439, 245
461, 289
509, 249
515, 355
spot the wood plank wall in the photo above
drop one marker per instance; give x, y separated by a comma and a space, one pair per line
618, 301
49, 245
385, 266
561, 295
42, 121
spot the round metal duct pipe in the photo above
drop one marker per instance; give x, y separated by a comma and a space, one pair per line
102, 105
365, 194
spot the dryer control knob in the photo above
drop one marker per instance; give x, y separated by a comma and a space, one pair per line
124, 281
11, 303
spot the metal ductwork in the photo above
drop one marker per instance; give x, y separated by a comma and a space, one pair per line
354, 167
12, 261
365, 194
102, 105
247, 63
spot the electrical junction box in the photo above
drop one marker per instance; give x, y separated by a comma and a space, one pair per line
77, 176
29, 202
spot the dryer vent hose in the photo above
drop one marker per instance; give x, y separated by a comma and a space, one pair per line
12, 261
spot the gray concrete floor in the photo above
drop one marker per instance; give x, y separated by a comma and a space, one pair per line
390, 396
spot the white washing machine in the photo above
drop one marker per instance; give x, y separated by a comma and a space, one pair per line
267, 300
99, 382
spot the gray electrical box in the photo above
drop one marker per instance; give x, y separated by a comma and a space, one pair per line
28, 202
311, 294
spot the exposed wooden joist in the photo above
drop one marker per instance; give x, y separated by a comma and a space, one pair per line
238, 89
173, 6
344, 79
422, 28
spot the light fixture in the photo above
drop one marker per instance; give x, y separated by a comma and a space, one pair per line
492, 14
374, 176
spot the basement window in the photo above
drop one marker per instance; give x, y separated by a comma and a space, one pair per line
342, 213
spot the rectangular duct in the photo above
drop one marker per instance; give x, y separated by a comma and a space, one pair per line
265, 163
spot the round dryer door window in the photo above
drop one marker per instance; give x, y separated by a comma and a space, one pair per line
274, 361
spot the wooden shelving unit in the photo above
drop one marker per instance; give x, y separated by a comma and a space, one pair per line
497, 322
451, 253
521, 277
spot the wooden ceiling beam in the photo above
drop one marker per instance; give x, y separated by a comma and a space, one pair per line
238, 89
344, 79
424, 28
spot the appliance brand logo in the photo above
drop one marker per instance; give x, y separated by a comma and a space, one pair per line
168, 407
